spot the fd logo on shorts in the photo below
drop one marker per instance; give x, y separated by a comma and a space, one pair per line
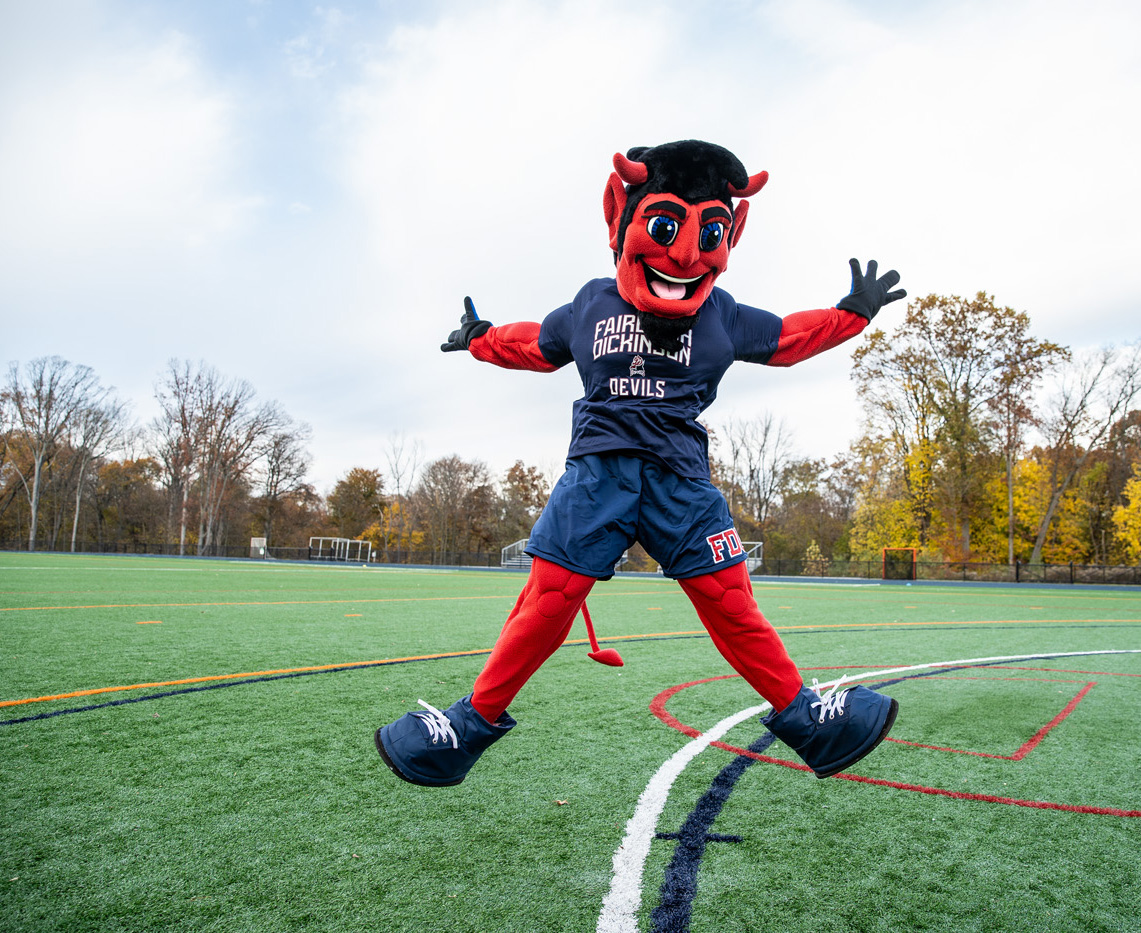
725, 544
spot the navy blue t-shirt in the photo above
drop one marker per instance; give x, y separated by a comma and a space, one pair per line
637, 399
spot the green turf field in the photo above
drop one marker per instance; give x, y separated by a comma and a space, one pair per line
187, 745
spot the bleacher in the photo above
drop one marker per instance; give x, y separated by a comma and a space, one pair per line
515, 557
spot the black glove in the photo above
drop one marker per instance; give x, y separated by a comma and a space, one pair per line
869, 294
470, 328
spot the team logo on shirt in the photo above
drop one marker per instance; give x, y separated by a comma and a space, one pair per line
638, 386
725, 544
622, 333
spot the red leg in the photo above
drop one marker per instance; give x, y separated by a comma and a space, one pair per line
538, 624
725, 604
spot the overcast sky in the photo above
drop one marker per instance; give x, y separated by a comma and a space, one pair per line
301, 195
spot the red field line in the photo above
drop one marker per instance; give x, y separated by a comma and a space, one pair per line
658, 708
1028, 746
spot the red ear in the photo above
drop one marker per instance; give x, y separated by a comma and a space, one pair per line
613, 203
740, 212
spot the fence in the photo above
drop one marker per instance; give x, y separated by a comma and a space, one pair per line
958, 570
420, 558
768, 567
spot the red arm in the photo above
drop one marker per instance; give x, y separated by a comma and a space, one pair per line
513, 346
806, 333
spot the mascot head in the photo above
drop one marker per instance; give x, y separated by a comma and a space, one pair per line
672, 223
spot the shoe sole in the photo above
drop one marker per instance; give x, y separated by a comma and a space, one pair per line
395, 770
887, 724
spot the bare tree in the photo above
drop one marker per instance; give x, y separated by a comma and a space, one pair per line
234, 430
759, 452
96, 430
176, 430
457, 503
209, 434
1091, 398
285, 463
44, 400
9, 490
403, 464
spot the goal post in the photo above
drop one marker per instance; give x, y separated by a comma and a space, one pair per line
899, 563
347, 550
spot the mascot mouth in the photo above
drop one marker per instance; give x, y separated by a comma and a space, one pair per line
670, 287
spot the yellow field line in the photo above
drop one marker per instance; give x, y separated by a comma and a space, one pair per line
286, 602
200, 680
462, 654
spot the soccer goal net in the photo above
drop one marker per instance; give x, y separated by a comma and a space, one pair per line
343, 549
899, 563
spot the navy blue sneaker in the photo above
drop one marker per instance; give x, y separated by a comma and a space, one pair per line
833, 731
435, 749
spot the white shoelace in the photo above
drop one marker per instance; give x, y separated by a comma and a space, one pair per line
439, 726
830, 703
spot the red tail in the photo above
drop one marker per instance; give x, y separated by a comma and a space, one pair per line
605, 656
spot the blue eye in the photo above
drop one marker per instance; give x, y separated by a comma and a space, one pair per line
711, 236
662, 230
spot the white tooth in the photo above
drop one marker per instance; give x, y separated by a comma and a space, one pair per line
672, 278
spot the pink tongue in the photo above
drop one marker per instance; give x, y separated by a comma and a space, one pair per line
671, 290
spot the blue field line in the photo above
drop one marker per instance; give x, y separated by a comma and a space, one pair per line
679, 887
372, 664
180, 692
675, 904
271, 677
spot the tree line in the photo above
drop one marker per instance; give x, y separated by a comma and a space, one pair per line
977, 442
218, 466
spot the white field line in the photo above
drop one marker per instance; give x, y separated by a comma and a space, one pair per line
619, 912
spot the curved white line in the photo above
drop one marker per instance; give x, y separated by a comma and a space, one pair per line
619, 912
620, 906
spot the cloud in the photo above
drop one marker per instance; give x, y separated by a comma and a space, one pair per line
476, 146
984, 146
120, 193
306, 204
467, 146
314, 53
125, 150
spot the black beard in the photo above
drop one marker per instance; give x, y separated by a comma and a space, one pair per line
665, 333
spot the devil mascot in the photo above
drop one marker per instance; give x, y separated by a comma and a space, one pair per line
651, 346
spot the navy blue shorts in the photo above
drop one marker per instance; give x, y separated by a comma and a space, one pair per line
604, 503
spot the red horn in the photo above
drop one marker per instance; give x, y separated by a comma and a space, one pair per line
756, 183
633, 173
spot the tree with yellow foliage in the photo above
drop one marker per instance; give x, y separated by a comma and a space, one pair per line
948, 387
1127, 518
